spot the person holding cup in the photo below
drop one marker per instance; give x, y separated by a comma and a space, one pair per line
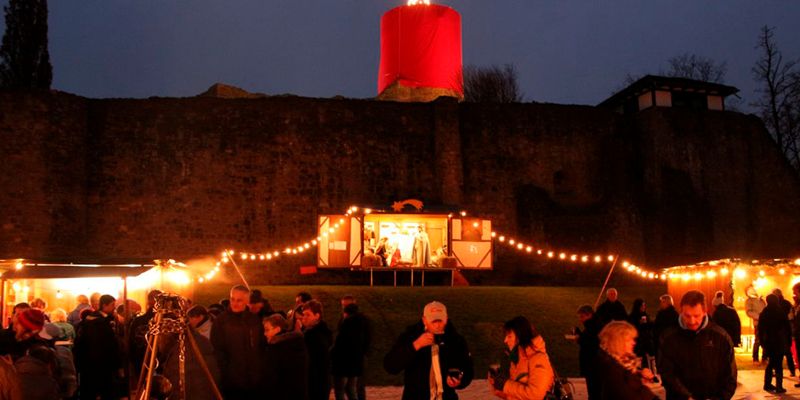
435, 359
531, 375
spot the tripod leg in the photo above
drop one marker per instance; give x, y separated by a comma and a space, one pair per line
151, 364
203, 365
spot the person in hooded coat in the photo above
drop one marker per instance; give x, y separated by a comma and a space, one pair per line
285, 361
774, 331
530, 376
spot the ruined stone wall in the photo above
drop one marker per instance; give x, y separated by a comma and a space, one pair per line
186, 178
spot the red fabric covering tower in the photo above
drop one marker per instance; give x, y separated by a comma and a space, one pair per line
420, 54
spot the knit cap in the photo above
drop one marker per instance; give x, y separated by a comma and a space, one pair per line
31, 319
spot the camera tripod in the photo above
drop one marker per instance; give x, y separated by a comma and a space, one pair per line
170, 318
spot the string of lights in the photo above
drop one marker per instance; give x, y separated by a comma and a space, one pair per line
525, 247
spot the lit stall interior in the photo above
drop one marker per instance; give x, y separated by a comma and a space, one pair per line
60, 284
400, 230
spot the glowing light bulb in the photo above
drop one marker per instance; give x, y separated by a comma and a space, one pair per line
739, 273
797, 261
201, 279
494, 234
313, 242
529, 249
761, 273
597, 259
520, 246
341, 220
463, 213
610, 258
573, 257
269, 256
625, 264
502, 238
244, 256
276, 253
663, 277
261, 257
562, 256
585, 259
511, 242
698, 276
711, 273
18, 265
252, 256
475, 225
539, 251
367, 211
550, 254
723, 272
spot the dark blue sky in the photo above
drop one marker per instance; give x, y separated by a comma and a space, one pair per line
565, 51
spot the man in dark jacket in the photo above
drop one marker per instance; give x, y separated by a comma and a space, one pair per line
237, 337
285, 361
433, 356
589, 345
696, 359
137, 342
726, 317
348, 352
318, 338
786, 307
612, 309
97, 352
666, 318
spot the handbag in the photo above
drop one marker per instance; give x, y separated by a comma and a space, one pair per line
562, 389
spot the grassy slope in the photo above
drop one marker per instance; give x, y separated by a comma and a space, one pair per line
477, 312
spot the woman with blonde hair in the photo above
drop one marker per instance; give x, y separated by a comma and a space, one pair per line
531, 375
617, 366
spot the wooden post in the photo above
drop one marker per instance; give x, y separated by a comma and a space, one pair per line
3, 303
603, 289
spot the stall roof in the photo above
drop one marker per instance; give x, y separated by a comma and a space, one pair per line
32, 269
771, 262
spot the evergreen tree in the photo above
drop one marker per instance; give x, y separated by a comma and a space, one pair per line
25, 58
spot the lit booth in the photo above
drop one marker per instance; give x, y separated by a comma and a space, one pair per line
414, 242
59, 284
738, 280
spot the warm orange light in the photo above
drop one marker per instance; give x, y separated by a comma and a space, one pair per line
573, 257
418, 2
475, 224
529, 249
723, 272
597, 259
511, 242
18, 265
502, 238
550, 254
562, 256
610, 258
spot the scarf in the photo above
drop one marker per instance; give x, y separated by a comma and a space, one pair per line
436, 374
627, 361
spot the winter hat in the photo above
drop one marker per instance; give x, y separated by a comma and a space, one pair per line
31, 319
718, 298
435, 311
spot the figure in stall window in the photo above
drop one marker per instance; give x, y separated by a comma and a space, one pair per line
422, 248
382, 251
439, 255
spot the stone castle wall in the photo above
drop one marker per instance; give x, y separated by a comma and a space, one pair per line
186, 178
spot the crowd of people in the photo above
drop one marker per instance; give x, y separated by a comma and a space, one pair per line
251, 351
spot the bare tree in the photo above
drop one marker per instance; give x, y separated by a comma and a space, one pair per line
779, 103
696, 67
491, 84
24, 58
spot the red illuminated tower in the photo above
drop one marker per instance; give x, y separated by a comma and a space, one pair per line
420, 53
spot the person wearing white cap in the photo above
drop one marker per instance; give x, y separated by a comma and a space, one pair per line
435, 359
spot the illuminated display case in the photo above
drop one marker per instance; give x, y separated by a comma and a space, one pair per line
404, 241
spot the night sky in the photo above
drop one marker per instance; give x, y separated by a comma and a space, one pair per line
565, 51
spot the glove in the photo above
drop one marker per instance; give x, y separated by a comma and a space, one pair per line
499, 382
